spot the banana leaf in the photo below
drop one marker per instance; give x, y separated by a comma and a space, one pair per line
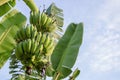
6, 5
9, 25
56, 14
66, 51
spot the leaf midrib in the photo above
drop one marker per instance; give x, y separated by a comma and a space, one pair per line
62, 58
4, 34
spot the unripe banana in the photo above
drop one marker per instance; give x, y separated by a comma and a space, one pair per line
48, 22
19, 51
28, 45
43, 38
25, 46
22, 32
39, 21
49, 51
43, 18
17, 38
33, 46
31, 17
28, 32
34, 33
31, 30
37, 17
34, 21
34, 16
51, 43
38, 51
47, 41
41, 48
19, 35
38, 38
18, 55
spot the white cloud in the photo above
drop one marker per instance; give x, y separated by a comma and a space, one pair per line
105, 46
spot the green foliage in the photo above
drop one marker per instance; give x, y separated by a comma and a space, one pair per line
39, 58
56, 14
66, 51
8, 28
6, 5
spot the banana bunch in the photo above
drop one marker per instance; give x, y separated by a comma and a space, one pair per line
42, 21
48, 43
28, 32
31, 49
25, 50
34, 17
35, 43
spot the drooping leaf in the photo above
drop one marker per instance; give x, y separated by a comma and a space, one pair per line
6, 5
66, 51
56, 14
9, 25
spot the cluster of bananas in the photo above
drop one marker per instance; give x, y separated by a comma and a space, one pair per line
33, 47
42, 21
28, 32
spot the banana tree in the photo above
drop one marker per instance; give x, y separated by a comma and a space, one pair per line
38, 50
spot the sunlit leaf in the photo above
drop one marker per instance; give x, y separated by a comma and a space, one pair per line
6, 5
8, 28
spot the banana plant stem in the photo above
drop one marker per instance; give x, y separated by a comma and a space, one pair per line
56, 76
31, 4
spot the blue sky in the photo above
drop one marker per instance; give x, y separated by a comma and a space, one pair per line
99, 55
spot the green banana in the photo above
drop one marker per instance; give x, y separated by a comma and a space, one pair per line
18, 55
29, 45
39, 50
25, 46
19, 36
49, 50
34, 21
31, 30
33, 46
39, 22
34, 33
44, 18
38, 37
51, 43
31, 17
37, 17
28, 32
47, 41
48, 22
43, 38
22, 32
19, 51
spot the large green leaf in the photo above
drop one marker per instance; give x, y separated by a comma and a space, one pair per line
9, 25
6, 5
66, 51
56, 14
